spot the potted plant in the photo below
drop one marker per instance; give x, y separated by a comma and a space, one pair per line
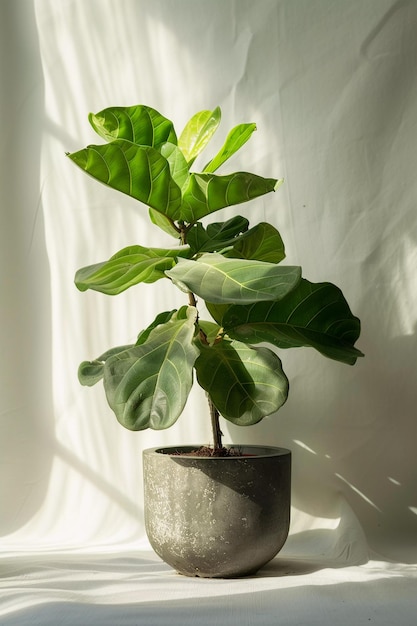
220, 510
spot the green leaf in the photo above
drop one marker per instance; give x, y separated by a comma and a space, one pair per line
218, 235
140, 172
140, 124
147, 386
177, 163
244, 383
90, 372
261, 243
313, 314
233, 239
217, 311
198, 132
163, 222
229, 230
237, 137
128, 267
207, 193
217, 279
161, 318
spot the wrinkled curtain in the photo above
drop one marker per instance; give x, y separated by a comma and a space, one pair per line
332, 88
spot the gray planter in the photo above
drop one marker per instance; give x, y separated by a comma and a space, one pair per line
217, 517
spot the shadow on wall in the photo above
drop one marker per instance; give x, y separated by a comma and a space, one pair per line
356, 444
25, 330
353, 430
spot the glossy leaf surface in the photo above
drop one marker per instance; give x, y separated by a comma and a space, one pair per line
233, 239
207, 193
197, 133
220, 280
237, 137
140, 172
244, 383
140, 124
313, 314
262, 243
216, 236
147, 385
177, 163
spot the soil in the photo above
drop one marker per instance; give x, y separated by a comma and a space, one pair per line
217, 452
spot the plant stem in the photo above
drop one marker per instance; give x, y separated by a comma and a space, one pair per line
214, 414
215, 425
191, 299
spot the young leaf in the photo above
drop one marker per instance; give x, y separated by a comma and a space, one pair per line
207, 193
198, 132
244, 383
138, 171
128, 267
147, 385
218, 235
313, 314
140, 124
217, 279
237, 137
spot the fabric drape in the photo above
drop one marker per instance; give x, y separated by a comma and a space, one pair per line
332, 89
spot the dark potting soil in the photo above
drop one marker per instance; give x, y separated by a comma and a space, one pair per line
208, 451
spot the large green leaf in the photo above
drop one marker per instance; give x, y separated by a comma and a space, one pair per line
220, 280
197, 133
147, 386
244, 383
217, 236
237, 137
128, 267
313, 314
140, 124
207, 193
138, 171
262, 243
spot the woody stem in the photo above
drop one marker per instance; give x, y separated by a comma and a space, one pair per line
214, 414
215, 425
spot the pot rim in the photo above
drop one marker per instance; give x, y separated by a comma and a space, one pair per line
262, 452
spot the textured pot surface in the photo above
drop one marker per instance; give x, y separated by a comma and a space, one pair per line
217, 517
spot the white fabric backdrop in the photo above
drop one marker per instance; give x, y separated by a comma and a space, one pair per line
332, 88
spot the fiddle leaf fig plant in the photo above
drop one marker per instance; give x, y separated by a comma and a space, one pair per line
235, 268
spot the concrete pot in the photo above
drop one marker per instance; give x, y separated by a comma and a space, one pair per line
217, 517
